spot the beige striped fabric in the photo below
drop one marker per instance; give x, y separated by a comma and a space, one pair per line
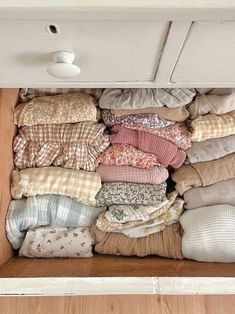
80, 185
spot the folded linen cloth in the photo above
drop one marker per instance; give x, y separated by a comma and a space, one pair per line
80, 185
155, 175
127, 155
27, 94
46, 210
75, 146
213, 126
140, 121
133, 98
168, 153
218, 193
57, 242
131, 193
68, 108
214, 148
204, 173
212, 103
178, 114
166, 243
209, 234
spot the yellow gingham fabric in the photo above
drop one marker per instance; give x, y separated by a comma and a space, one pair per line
80, 185
213, 126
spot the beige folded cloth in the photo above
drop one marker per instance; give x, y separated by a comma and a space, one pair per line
204, 173
218, 193
177, 114
166, 243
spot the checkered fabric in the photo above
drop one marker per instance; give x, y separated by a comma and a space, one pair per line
80, 185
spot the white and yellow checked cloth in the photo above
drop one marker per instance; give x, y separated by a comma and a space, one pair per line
80, 185
213, 126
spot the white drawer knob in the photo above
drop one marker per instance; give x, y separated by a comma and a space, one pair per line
63, 66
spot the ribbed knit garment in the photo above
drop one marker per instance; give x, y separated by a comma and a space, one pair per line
168, 153
209, 234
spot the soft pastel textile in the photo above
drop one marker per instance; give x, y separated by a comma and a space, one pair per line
80, 185
209, 234
133, 98
178, 114
166, 243
57, 242
75, 146
131, 193
27, 94
204, 173
219, 193
127, 155
46, 210
212, 103
213, 126
168, 153
155, 175
142, 120
214, 148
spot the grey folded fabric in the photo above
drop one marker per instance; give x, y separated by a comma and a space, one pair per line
211, 149
219, 193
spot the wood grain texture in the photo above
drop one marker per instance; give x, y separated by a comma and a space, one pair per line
119, 305
8, 100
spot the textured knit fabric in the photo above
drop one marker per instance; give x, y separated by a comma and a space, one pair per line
211, 149
155, 175
46, 210
68, 108
213, 126
57, 242
133, 98
204, 173
142, 120
81, 185
127, 155
75, 146
209, 234
218, 193
168, 153
131, 193
27, 94
177, 114
166, 243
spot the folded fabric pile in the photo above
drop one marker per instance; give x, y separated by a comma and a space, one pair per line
207, 182
148, 135
56, 154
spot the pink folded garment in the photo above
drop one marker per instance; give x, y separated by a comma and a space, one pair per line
156, 175
168, 153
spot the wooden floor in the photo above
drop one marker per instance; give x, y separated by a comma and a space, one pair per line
119, 305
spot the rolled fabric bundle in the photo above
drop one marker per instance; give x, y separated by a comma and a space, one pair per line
127, 155
155, 175
131, 193
46, 210
218, 193
168, 153
133, 98
166, 243
57, 242
211, 149
204, 173
212, 103
209, 234
75, 146
80, 185
143, 120
178, 114
213, 126
27, 94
